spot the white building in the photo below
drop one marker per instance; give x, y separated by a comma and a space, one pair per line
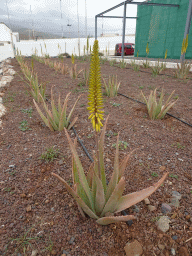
7, 41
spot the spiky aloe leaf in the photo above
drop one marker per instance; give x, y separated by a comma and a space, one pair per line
114, 219
71, 112
43, 117
81, 173
114, 198
136, 197
85, 208
72, 123
76, 181
123, 164
63, 122
100, 196
54, 110
90, 175
162, 114
114, 179
166, 107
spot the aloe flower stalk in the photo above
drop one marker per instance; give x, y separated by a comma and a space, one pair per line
95, 94
184, 45
166, 54
72, 59
94, 195
147, 49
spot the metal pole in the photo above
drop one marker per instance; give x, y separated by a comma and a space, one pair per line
95, 27
85, 19
124, 23
187, 26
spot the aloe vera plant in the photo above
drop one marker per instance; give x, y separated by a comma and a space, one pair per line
112, 87
57, 119
158, 110
182, 70
36, 89
94, 195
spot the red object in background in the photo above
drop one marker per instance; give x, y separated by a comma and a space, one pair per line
128, 49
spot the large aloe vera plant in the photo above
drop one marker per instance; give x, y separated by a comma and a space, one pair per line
95, 196
157, 110
57, 119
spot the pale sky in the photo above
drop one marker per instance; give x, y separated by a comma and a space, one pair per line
46, 15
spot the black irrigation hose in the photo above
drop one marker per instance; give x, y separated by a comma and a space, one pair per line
81, 143
145, 104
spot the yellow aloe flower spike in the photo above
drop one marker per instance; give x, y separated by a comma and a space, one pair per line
147, 49
166, 54
95, 94
72, 59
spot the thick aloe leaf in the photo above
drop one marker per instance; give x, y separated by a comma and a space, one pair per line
167, 101
54, 110
85, 208
100, 196
93, 190
116, 161
63, 122
109, 187
90, 175
49, 114
114, 219
59, 105
136, 197
164, 111
115, 175
42, 116
82, 176
80, 209
76, 180
72, 123
144, 98
124, 164
71, 112
114, 198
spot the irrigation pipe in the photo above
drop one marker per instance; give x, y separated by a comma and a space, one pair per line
145, 104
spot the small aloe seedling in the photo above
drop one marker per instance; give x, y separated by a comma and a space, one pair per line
158, 110
57, 119
94, 195
157, 69
73, 72
112, 87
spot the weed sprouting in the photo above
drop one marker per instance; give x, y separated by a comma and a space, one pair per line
50, 154
24, 126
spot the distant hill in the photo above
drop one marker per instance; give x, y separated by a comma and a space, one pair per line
26, 34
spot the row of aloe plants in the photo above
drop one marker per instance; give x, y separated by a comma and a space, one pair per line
156, 109
95, 196
56, 118
182, 70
